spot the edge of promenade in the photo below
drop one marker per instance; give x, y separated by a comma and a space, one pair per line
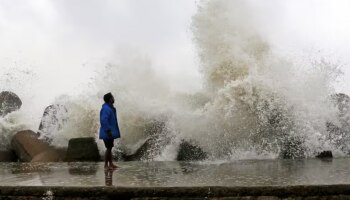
216, 192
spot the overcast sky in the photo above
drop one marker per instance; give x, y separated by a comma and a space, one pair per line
51, 47
60, 43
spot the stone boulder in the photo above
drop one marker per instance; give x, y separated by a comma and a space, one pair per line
52, 121
7, 156
325, 154
82, 149
190, 152
141, 152
28, 147
156, 141
9, 102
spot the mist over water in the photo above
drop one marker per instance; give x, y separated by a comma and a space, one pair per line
253, 103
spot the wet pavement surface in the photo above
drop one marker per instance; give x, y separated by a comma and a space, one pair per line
179, 174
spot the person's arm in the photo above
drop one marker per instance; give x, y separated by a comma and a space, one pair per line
118, 126
105, 114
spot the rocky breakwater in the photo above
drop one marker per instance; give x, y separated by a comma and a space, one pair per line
27, 147
157, 140
36, 147
30, 146
79, 149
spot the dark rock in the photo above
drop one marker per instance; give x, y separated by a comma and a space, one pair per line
157, 140
52, 121
9, 102
8, 156
190, 152
140, 152
82, 149
325, 154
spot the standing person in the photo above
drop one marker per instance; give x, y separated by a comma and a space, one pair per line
109, 128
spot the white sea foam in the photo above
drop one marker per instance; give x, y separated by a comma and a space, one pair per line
254, 102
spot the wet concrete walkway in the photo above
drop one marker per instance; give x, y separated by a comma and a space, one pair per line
205, 179
172, 174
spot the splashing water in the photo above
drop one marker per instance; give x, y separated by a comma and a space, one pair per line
259, 102
9, 125
254, 104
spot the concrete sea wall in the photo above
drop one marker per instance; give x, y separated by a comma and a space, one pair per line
333, 192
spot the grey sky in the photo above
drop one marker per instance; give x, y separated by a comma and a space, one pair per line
61, 41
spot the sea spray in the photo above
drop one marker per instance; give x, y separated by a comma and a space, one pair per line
254, 103
258, 100
142, 101
9, 126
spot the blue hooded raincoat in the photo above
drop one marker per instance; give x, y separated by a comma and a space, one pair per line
109, 121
